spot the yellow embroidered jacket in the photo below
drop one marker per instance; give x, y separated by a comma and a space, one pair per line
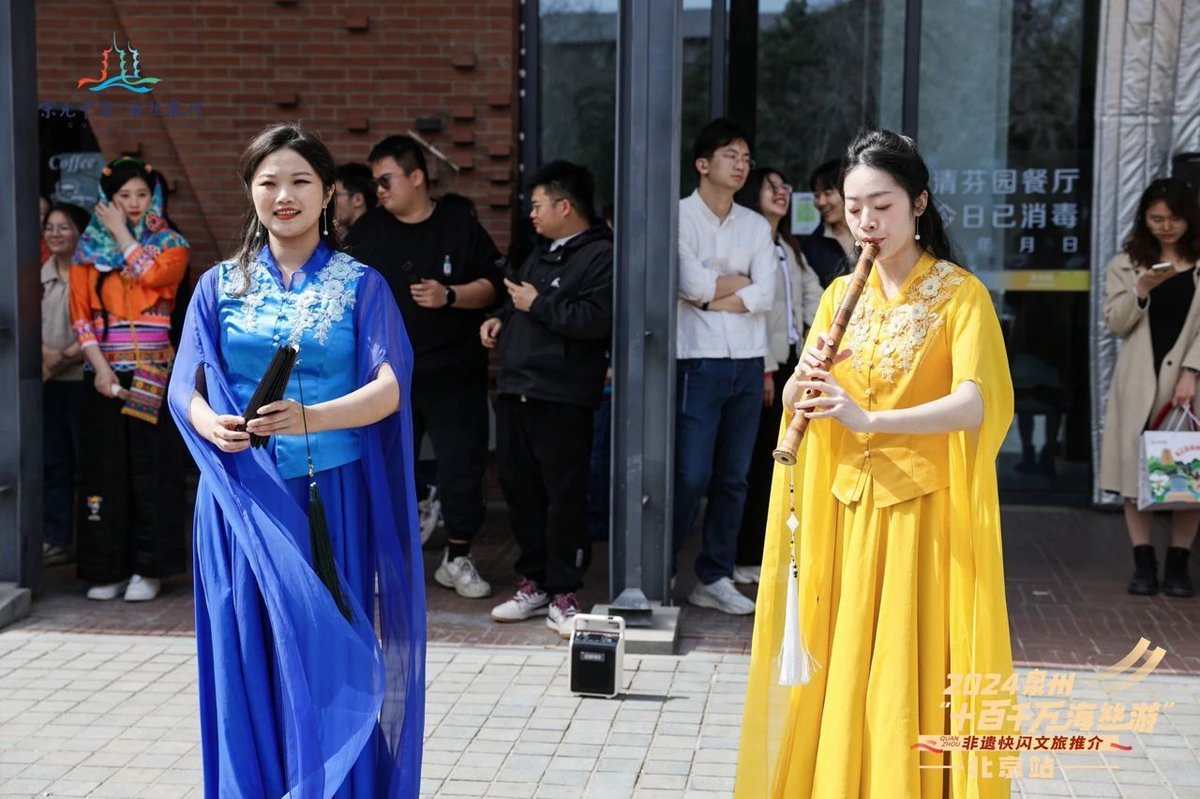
887, 339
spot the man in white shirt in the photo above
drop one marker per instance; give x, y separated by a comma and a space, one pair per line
726, 287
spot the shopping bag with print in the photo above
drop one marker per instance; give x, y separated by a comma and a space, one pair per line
1170, 464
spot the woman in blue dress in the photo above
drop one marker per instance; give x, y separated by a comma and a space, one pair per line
299, 696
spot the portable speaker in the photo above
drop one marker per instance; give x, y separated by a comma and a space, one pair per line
597, 655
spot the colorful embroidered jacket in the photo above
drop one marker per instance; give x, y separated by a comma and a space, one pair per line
138, 300
122, 302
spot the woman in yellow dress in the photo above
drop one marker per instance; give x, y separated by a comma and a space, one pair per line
900, 574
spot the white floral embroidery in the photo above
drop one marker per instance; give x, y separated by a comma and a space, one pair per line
320, 305
324, 302
905, 327
251, 303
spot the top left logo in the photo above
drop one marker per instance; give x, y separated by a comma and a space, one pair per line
129, 79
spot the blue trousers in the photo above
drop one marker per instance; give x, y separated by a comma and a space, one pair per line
718, 403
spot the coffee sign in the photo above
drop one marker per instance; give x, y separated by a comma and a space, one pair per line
78, 178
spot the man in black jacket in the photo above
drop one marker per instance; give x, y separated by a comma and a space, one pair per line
553, 335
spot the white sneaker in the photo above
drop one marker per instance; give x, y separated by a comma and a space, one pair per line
722, 596
106, 592
142, 589
429, 510
461, 575
746, 575
562, 612
527, 602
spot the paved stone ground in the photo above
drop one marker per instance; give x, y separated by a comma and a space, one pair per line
115, 716
1066, 571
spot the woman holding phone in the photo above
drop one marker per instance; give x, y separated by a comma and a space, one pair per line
125, 276
1152, 304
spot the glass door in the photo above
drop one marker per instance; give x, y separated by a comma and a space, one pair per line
1005, 124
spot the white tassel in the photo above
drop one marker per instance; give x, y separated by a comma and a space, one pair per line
795, 662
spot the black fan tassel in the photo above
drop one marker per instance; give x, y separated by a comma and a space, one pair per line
322, 550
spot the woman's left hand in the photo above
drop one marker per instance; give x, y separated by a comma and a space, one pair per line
833, 402
111, 217
1185, 389
282, 418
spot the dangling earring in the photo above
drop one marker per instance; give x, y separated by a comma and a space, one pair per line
325, 221
918, 221
918, 237
257, 229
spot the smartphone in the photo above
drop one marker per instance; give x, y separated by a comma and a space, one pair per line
511, 272
410, 274
1161, 267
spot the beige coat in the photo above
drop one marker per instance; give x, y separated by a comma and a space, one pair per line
1136, 394
806, 296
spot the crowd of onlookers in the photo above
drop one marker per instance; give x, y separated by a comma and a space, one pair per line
115, 285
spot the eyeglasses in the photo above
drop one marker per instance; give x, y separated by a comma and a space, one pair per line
776, 187
737, 158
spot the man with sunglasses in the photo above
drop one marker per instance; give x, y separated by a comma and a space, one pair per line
444, 270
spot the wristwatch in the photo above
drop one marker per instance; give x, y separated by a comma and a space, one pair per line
450, 295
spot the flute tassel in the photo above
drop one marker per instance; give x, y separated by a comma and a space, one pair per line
795, 662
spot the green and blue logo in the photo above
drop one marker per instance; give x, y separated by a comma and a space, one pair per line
129, 79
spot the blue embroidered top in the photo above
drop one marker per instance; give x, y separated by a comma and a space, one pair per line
314, 315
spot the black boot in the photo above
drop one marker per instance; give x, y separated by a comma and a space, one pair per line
1175, 573
1145, 578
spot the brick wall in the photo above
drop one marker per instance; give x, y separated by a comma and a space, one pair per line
352, 71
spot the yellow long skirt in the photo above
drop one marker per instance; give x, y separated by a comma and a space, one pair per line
883, 665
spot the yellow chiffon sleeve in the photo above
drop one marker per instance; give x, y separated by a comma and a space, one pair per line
765, 744
979, 635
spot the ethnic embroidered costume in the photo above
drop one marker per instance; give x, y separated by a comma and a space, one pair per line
130, 493
122, 302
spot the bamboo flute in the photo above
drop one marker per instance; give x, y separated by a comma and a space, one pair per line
785, 452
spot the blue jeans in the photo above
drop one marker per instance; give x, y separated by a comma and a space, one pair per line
718, 404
